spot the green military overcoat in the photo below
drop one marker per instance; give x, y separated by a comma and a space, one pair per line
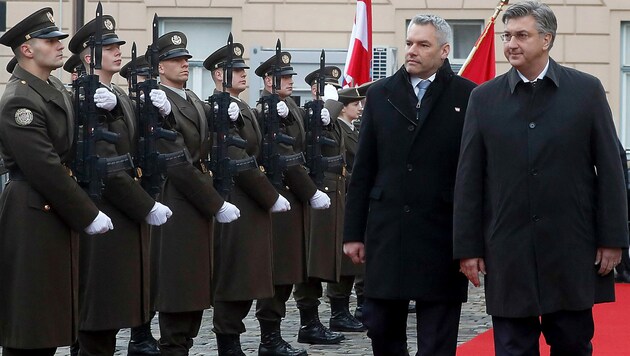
41, 208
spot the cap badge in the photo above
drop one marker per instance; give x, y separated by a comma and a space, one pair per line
335, 73
23, 116
176, 40
237, 51
50, 17
285, 59
108, 24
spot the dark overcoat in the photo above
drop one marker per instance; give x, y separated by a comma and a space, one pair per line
350, 143
400, 198
181, 249
325, 240
290, 228
114, 267
41, 210
243, 248
539, 189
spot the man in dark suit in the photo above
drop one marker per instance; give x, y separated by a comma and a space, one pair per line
400, 199
540, 201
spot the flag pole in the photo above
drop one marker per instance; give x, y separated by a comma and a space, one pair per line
493, 18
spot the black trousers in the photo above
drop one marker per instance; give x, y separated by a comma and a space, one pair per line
228, 316
177, 331
307, 294
7, 351
568, 333
97, 343
274, 308
437, 327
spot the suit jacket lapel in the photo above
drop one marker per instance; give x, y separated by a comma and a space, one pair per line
182, 105
401, 95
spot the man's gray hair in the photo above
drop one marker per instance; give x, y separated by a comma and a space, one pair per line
545, 18
441, 26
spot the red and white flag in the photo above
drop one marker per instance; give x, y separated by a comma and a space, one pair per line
359, 57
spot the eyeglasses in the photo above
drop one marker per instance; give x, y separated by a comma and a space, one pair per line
520, 36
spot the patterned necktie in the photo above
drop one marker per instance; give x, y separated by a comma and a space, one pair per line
422, 88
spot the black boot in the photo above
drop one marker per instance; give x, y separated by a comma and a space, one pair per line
313, 331
358, 312
229, 345
142, 342
340, 317
272, 343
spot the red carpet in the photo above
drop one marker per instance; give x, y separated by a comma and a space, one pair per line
612, 327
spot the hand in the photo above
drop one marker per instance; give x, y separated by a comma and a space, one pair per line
101, 224
325, 117
233, 111
228, 213
158, 214
281, 204
471, 268
105, 99
607, 258
356, 251
320, 200
330, 93
160, 101
283, 109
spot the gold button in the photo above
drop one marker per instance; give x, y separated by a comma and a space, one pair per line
262, 169
23, 82
326, 188
46, 207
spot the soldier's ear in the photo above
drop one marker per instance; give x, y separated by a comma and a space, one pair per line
268, 80
87, 59
26, 50
160, 69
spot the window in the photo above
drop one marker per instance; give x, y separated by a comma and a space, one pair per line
204, 37
465, 34
3, 16
625, 84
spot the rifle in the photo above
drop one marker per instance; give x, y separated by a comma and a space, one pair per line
152, 164
89, 169
224, 168
316, 163
274, 163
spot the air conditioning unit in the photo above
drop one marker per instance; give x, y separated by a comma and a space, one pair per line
383, 62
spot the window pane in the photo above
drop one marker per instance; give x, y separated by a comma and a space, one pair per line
625, 44
465, 34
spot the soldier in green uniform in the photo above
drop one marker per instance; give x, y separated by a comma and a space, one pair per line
114, 270
289, 229
339, 293
243, 249
324, 249
74, 66
182, 248
42, 208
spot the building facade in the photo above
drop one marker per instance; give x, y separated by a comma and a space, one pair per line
593, 35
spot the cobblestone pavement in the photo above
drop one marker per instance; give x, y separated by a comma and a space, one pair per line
473, 322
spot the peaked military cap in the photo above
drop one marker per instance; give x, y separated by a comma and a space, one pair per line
142, 68
11, 65
72, 64
332, 74
39, 24
173, 45
285, 65
349, 95
363, 88
81, 39
219, 57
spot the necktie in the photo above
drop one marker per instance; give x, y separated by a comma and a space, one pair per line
422, 88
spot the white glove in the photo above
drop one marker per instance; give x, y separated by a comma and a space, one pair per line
330, 93
160, 101
101, 224
320, 200
233, 111
105, 99
283, 109
282, 204
325, 117
228, 213
158, 214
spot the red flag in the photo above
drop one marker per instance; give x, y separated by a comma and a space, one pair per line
480, 66
359, 57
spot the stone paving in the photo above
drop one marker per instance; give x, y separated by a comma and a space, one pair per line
473, 321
